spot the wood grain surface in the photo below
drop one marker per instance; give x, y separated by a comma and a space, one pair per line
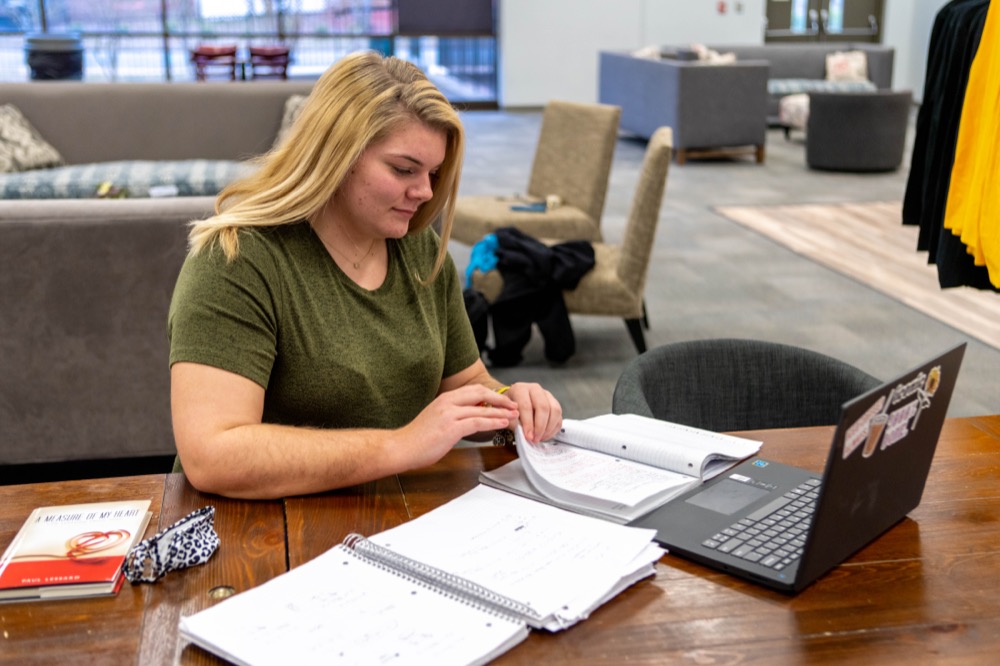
924, 592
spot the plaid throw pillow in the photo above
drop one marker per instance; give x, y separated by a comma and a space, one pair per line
21, 146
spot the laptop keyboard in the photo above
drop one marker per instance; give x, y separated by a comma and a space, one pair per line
773, 535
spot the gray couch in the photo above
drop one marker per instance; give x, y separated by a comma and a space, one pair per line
711, 109
724, 105
85, 283
801, 68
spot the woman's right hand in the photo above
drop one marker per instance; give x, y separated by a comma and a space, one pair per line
452, 416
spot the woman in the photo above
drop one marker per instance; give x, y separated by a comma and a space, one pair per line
318, 333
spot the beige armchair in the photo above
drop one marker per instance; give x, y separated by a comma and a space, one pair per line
572, 161
616, 285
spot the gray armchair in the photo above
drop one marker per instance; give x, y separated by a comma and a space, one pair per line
732, 384
712, 109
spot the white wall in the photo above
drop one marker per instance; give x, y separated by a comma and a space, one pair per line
548, 48
907, 27
687, 21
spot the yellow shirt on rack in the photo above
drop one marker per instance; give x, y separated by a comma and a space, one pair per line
971, 213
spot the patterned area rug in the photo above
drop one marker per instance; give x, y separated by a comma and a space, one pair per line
867, 242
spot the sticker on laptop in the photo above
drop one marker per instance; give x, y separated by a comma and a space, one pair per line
891, 418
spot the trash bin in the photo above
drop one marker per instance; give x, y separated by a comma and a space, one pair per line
53, 56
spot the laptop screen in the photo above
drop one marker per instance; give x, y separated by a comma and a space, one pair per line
880, 459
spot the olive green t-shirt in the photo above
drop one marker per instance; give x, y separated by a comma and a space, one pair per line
329, 353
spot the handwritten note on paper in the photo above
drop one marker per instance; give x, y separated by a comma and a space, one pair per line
588, 473
537, 554
339, 609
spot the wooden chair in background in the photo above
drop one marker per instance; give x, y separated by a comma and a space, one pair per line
214, 60
269, 62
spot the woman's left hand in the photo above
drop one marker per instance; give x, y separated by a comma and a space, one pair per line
540, 414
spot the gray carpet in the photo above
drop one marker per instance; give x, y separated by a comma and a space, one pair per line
711, 277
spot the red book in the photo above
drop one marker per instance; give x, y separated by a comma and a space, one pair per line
74, 550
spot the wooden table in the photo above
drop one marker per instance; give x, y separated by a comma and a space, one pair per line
926, 592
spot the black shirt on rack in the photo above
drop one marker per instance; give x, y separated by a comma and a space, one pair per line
954, 41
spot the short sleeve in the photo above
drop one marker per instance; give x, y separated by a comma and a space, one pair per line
461, 350
224, 313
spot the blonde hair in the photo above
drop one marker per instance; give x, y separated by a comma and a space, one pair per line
358, 101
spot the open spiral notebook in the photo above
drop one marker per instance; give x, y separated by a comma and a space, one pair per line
459, 585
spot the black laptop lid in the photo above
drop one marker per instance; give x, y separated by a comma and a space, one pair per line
879, 461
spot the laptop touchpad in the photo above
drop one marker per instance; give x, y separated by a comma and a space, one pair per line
727, 496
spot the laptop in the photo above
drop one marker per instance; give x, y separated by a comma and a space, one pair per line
783, 527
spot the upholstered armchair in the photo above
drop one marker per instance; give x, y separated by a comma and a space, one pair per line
616, 285
572, 161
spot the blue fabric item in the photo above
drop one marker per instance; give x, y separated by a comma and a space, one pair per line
80, 181
483, 257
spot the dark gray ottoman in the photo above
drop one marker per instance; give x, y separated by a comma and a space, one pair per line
857, 131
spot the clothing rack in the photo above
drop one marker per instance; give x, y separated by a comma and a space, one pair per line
950, 84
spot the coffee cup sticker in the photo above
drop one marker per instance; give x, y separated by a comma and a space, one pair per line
875, 429
858, 432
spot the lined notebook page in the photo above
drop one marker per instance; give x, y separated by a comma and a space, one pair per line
560, 563
339, 609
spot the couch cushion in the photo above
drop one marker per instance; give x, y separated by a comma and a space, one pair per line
794, 86
847, 66
21, 146
190, 177
707, 56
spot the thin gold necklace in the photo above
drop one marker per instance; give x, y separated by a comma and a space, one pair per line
356, 263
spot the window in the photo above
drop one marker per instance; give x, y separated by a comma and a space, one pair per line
151, 40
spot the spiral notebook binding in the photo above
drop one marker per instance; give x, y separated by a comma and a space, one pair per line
456, 587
